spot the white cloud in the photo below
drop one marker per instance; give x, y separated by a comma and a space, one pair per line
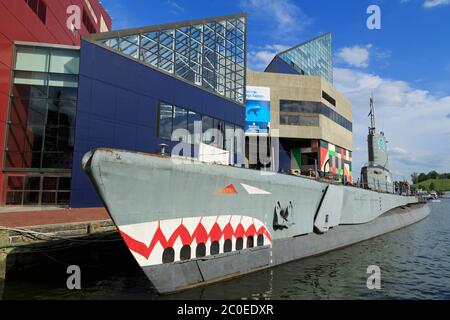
435, 3
260, 58
413, 120
399, 151
283, 17
356, 56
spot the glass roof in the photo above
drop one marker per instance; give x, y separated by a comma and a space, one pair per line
312, 58
209, 53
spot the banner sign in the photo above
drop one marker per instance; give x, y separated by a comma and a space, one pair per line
257, 113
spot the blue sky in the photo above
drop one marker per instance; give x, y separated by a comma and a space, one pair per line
406, 63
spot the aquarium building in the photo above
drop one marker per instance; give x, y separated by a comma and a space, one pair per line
39, 68
65, 91
312, 120
137, 86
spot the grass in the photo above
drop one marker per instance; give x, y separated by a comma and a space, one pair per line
439, 184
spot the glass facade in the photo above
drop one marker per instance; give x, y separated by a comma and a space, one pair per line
41, 125
173, 117
306, 113
313, 58
208, 53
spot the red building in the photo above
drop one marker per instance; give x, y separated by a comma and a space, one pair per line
39, 21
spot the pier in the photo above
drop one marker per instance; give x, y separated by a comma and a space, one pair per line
31, 237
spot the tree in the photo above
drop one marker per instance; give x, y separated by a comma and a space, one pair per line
415, 177
422, 177
433, 175
432, 187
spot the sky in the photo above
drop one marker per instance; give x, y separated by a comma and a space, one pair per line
406, 63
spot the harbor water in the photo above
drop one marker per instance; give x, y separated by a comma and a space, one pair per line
414, 264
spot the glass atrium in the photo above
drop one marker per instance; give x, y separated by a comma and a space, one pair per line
312, 58
209, 53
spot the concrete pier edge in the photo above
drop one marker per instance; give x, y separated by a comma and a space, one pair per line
4, 241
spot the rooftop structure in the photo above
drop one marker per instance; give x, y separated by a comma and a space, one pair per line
313, 58
209, 53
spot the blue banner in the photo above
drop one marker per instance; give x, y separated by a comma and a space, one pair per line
257, 114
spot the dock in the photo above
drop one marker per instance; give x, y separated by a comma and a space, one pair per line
34, 236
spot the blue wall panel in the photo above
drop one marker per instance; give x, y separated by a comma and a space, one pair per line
117, 108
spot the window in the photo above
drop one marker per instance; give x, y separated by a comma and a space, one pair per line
64, 61
328, 98
39, 8
41, 125
32, 58
194, 117
173, 117
33, 189
229, 137
219, 125
180, 119
165, 121
207, 124
305, 113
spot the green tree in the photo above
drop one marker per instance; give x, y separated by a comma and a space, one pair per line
422, 177
432, 187
415, 177
433, 175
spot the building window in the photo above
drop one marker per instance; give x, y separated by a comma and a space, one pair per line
173, 117
328, 98
180, 119
193, 117
165, 121
41, 124
32, 189
305, 113
39, 8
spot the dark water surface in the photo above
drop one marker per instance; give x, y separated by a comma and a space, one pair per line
414, 263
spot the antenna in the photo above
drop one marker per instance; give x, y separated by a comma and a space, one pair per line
372, 115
